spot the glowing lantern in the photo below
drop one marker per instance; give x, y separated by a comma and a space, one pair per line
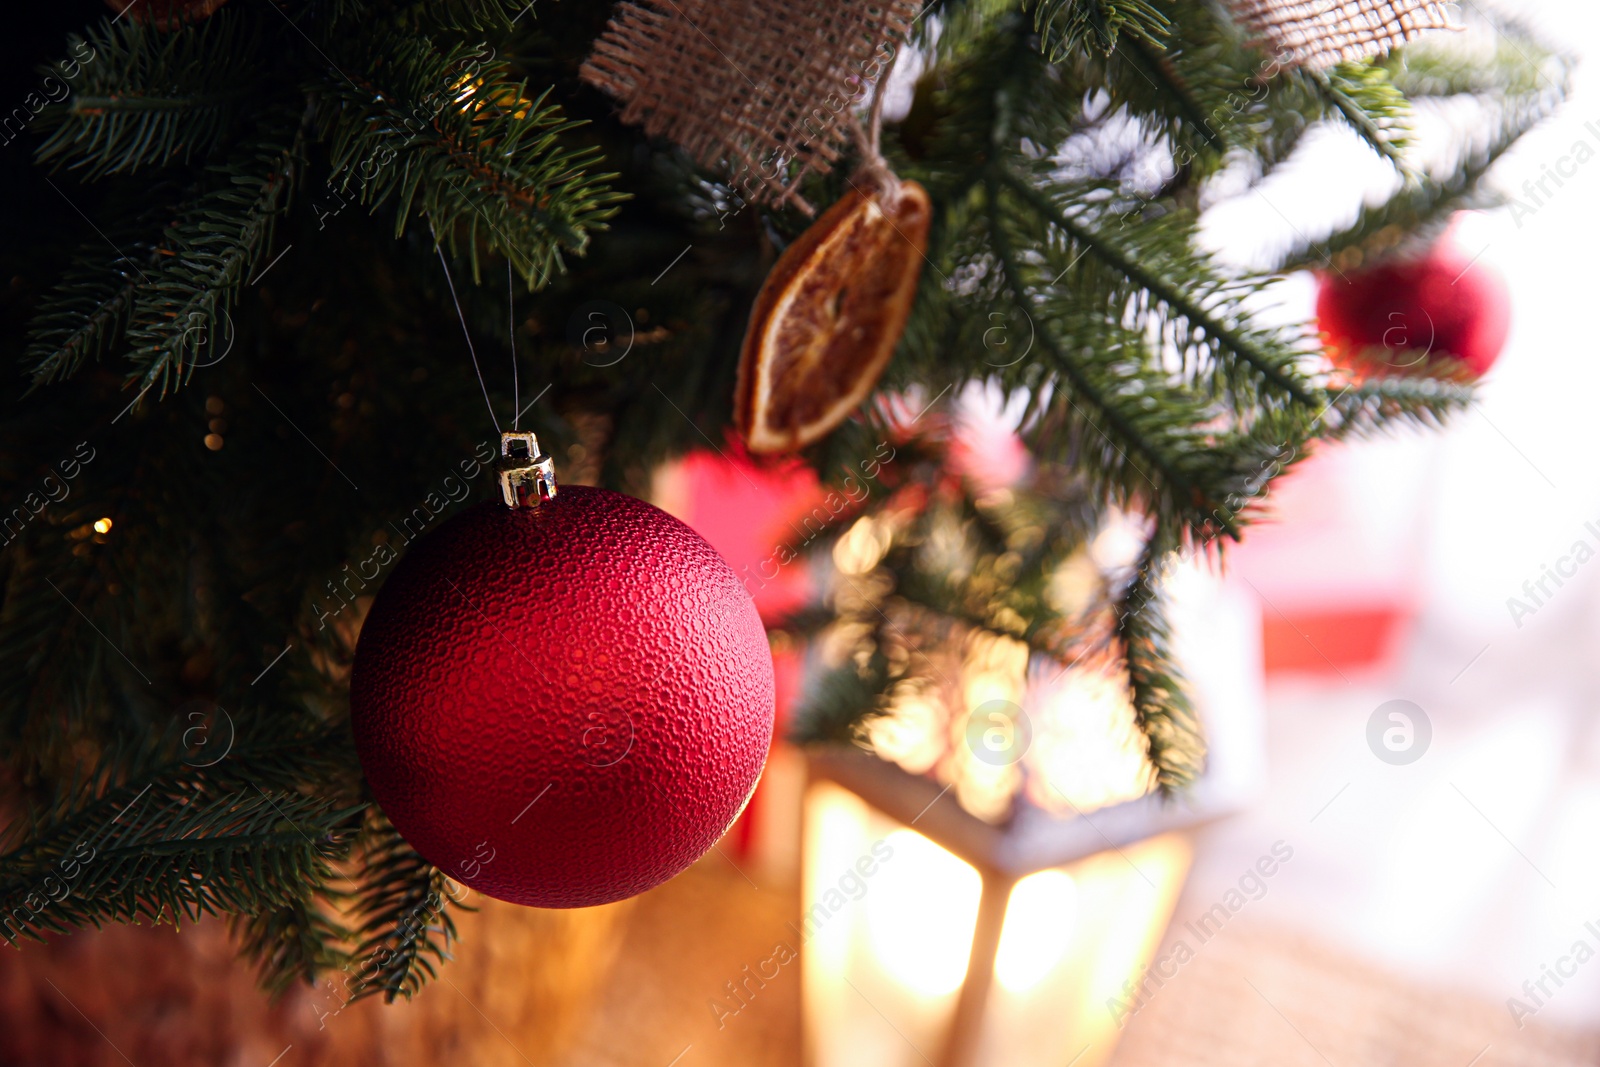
962, 904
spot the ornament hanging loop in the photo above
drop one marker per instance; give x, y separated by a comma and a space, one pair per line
874, 172
527, 476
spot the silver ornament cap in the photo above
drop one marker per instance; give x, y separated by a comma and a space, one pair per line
527, 476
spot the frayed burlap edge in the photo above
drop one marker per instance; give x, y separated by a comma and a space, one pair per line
1320, 33
759, 87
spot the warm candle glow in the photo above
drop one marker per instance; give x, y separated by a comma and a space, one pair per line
920, 915
1038, 930
886, 934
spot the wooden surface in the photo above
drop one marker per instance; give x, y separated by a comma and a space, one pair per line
623, 984
1265, 997
632, 986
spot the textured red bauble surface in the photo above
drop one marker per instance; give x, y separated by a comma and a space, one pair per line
1398, 315
562, 705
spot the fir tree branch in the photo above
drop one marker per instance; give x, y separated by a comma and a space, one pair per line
1166, 485
1363, 95
1151, 386
149, 98
80, 806
445, 134
139, 832
1160, 69
1003, 586
404, 926
1533, 88
1067, 26
1502, 59
1423, 205
1124, 434
207, 255
474, 17
293, 942
1233, 343
1162, 708
85, 315
172, 850
839, 702
1377, 404
1194, 87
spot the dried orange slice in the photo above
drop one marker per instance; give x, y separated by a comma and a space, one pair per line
829, 315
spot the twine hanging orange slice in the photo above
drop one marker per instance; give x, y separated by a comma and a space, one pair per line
830, 314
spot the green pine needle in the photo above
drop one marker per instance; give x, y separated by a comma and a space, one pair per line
1070, 25
444, 133
148, 98
206, 257
405, 926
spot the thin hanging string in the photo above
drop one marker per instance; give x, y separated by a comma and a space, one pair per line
875, 119
868, 136
468, 334
511, 313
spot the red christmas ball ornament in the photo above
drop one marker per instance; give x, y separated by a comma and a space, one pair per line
1399, 315
563, 702
165, 14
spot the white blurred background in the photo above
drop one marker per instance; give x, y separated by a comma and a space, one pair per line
1476, 865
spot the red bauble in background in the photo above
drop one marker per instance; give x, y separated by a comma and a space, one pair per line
566, 704
1398, 315
165, 14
